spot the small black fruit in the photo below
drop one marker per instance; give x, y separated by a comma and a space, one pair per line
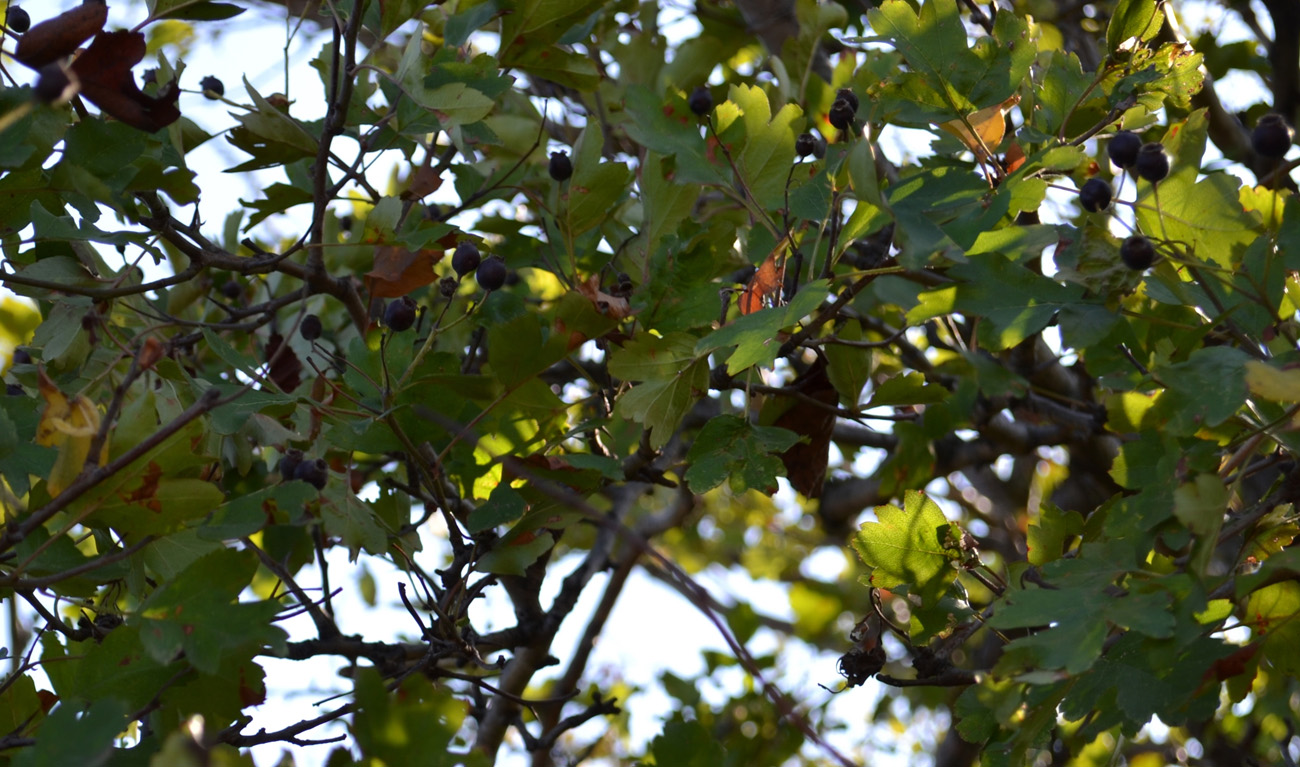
289, 463
447, 286
21, 357
232, 290
466, 258
491, 274
1152, 162
848, 95
14, 390
700, 100
1123, 149
842, 113
1137, 253
1272, 136
1095, 195
212, 87
51, 84
400, 314
315, 473
805, 144
18, 20
310, 327
561, 166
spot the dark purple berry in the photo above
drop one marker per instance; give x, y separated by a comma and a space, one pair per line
14, 390
212, 87
315, 473
1152, 162
1123, 149
842, 114
561, 166
289, 463
1272, 136
22, 357
17, 19
1137, 253
805, 144
466, 258
700, 101
400, 314
311, 327
848, 95
232, 290
447, 286
50, 84
1095, 195
491, 274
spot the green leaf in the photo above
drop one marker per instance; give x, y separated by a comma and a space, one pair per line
769, 142
648, 357
501, 508
1132, 20
661, 403
190, 10
66, 738
1273, 614
514, 554
1016, 302
757, 336
731, 447
687, 744
906, 548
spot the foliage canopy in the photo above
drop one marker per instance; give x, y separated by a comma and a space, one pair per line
1063, 488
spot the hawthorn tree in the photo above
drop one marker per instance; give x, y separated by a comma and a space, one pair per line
1052, 343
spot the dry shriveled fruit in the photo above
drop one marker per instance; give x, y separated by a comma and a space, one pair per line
1153, 162
700, 100
311, 327
289, 463
315, 473
400, 314
212, 88
842, 114
1095, 195
1137, 253
1123, 149
848, 95
1272, 136
491, 274
466, 258
17, 20
560, 167
805, 144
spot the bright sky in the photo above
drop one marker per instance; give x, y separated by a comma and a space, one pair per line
652, 628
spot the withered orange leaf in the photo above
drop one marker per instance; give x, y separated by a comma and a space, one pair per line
613, 307
399, 271
805, 462
763, 286
988, 123
104, 70
59, 37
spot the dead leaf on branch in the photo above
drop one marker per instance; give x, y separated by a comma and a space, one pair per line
614, 307
989, 124
399, 271
104, 70
805, 462
59, 37
764, 287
